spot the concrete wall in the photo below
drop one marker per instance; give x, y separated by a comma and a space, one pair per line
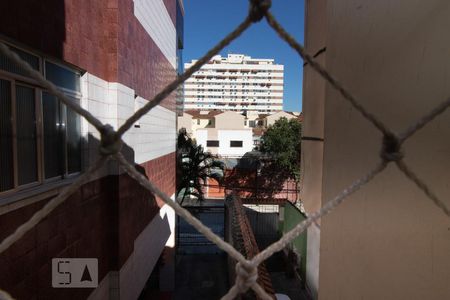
224, 137
113, 103
387, 241
229, 120
201, 123
185, 121
313, 124
291, 217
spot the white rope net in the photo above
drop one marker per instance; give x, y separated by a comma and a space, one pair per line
111, 142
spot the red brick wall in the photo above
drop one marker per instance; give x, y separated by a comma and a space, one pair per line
102, 37
82, 33
142, 65
101, 220
78, 228
171, 6
134, 215
162, 172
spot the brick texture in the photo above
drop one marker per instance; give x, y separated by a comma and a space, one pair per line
102, 37
171, 6
141, 64
162, 172
102, 220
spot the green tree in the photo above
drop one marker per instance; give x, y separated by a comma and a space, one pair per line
194, 167
282, 143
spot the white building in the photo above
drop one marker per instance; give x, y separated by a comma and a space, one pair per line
221, 133
205, 125
237, 83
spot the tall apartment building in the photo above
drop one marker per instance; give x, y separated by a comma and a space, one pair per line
237, 83
112, 57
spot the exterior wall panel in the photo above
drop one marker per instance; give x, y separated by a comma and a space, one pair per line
112, 217
142, 65
312, 126
226, 136
388, 234
157, 22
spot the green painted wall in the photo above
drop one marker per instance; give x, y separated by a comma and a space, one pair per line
293, 216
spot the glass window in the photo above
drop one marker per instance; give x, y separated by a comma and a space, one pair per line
73, 141
236, 144
26, 139
53, 138
212, 143
7, 65
33, 150
62, 138
6, 141
62, 77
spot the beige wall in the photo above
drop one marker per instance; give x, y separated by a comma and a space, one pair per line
185, 121
276, 116
313, 126
230, 120
202, 123
387, 241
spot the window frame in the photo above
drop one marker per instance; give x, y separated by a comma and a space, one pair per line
236, 141
39, 164
17, 79
63, 113
213, 146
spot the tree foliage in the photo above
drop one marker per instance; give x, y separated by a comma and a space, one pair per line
194, 167
282, 142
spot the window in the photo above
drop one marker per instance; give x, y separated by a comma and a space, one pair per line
212, 143
236, 144
198, 121
40, 138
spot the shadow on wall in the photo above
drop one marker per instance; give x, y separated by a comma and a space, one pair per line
39, 24
107, 218
256, 177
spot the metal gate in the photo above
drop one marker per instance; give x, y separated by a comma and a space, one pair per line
190, 241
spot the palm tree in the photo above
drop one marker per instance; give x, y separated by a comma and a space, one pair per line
194, 167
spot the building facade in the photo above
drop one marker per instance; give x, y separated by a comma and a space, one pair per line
236, 83
388, 240
221, 133
111, 57
205, 125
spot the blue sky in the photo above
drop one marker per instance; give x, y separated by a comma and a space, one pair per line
207, 21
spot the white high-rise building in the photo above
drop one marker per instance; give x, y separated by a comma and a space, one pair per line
238, 83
